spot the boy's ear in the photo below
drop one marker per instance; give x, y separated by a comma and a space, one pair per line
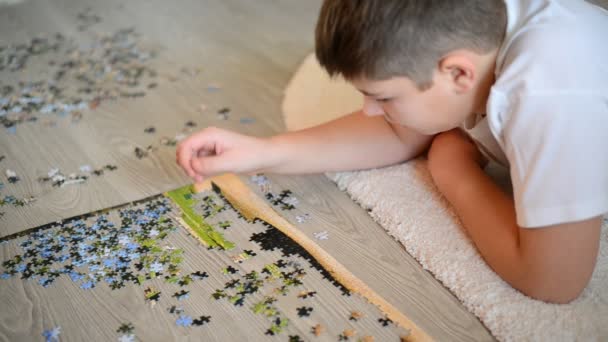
458, 68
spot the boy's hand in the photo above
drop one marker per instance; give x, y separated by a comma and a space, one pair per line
214, 151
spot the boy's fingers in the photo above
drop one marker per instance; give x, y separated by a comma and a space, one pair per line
189, 149
184, 154
204, 153
209, 166
201, 166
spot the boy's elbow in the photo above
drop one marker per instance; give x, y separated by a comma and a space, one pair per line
560, 295
557, 262
557, 289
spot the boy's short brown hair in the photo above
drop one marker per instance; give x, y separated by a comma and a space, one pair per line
379, 39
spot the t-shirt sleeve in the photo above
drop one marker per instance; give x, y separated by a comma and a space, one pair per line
557, 146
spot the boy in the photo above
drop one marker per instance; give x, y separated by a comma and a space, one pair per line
524, 83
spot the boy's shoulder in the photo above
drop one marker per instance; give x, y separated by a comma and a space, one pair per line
553, 45
547, 110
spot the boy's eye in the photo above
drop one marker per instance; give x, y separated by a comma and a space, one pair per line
383, 100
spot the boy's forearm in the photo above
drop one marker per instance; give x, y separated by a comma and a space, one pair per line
489, 217
352, 142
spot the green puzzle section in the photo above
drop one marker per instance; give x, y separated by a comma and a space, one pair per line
183, 198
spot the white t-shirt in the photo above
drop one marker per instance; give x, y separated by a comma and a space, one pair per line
547, 114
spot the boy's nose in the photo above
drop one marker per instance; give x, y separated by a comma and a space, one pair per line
371, 107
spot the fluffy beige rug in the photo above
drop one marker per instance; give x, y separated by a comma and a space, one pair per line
405, 202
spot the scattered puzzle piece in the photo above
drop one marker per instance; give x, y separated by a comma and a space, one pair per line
151, 294
229, 270
181, 295
175, 310
247, 121
349, 333
304, 311
126, 328
126, 338
355, 316
212, 88
318, 329
11, 176
346, 335
200, 275
141, 153
324, 235
202, 320
52, 335
184, 321
306, 294
224, 113
218, 294
385, 321
302, 218
285, 200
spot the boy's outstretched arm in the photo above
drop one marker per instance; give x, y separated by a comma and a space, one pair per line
355, 141
552, 263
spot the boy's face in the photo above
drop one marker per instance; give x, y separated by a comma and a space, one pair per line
434, 110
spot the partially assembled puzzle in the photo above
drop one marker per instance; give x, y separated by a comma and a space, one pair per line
213, 261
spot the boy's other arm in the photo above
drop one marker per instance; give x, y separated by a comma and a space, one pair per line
353, 142
552, 263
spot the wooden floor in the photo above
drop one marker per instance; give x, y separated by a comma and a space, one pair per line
247, 49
